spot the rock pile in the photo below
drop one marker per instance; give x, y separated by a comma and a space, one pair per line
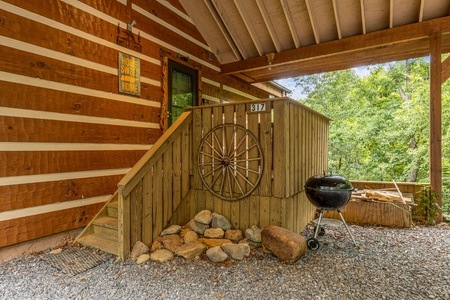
212, 234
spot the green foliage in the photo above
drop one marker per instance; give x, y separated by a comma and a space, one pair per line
428, 206
380, 127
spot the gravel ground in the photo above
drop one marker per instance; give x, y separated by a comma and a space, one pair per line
388, 264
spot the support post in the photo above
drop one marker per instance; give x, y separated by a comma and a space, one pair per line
436, 118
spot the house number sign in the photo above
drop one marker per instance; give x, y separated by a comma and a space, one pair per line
257, 107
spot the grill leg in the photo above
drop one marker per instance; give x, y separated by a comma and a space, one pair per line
348, 229
316, 233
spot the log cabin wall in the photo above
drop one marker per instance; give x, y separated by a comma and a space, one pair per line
67, 135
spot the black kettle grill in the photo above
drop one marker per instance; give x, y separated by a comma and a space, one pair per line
327, 192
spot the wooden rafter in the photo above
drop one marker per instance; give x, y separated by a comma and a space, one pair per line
363, 17
391, 13
269, 25
290, 23
250, 28
370, 41
313, 21
422, 3
238, 53
336, 16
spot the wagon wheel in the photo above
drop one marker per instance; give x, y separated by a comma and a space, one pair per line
230, 161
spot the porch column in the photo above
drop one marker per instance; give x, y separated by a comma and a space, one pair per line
436, 117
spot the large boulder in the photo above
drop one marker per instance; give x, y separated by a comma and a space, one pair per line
191, 250
219, 221
288, 246
236, 251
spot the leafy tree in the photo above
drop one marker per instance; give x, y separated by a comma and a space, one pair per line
380, 127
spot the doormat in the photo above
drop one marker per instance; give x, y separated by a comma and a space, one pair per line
73, 261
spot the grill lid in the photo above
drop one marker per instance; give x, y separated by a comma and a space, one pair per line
328, 182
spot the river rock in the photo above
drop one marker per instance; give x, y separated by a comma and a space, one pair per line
174, 229
219, 221
252, 244
142, 258
234, 235
157, 245
162, 255
288, 246
213, 242
139, 248
214, 233
236, 251
191, 250
190, 236
172, 242
198, 227
253, 234
216, 254
204, 217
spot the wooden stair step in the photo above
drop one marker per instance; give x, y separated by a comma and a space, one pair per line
112, 209
106, 227
99, 242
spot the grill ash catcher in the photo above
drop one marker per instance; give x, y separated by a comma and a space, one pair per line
327, 192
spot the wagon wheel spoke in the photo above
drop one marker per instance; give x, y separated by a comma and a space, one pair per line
230, 161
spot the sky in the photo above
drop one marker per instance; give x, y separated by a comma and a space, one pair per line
297, 91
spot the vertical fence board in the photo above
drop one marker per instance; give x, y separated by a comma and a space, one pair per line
264, 210
229, 119
167, 184
124, 225
279, 150
147, 209
265, 136
176, 178
197, 131
136, 198
157, 198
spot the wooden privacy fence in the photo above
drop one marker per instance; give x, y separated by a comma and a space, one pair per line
246, 160
294, 142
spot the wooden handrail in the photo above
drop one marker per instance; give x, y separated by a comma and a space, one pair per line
131, 179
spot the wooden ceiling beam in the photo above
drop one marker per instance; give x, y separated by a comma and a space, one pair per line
383, 54
346, 46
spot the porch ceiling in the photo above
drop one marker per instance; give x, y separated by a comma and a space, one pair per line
263, 40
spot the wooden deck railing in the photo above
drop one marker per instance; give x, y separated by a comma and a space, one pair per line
155, 187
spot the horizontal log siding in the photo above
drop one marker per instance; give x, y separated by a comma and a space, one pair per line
294, 146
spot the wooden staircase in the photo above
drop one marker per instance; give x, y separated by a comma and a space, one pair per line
102, 232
